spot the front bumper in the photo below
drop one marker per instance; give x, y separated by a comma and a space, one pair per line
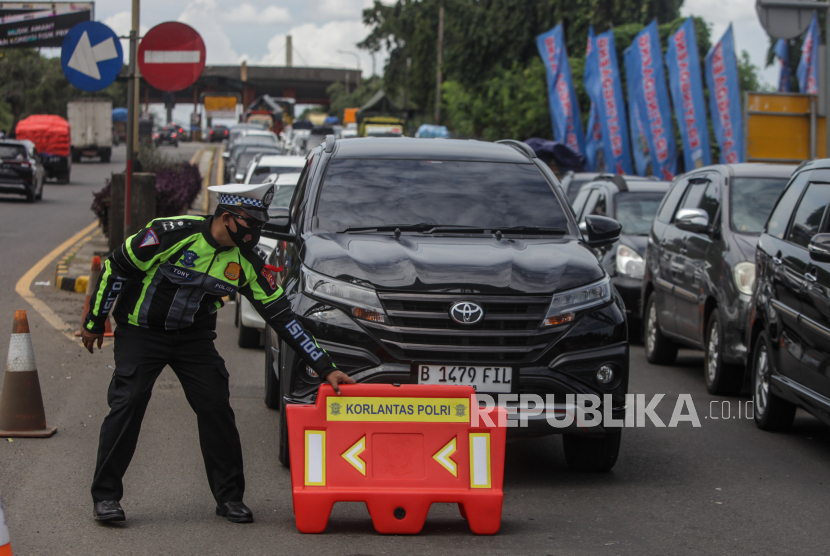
734, 317
630, 290
568, 365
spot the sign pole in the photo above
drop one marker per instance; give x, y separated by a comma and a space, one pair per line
827, 82
132, 113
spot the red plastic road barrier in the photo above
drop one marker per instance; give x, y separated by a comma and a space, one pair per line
399, 449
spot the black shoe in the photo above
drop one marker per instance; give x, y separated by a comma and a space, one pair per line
108, 510
237, 512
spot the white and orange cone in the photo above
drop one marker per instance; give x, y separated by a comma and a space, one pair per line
5, 543
21, 403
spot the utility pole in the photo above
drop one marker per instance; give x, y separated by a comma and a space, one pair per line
288, 53
132, 112
438, 65
406, 84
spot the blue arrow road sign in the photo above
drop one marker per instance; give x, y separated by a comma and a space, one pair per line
91, 56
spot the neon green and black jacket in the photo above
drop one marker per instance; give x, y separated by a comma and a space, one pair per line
172, 276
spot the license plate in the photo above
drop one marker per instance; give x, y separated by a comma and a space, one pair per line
482, 378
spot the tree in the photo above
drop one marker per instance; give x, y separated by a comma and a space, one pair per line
33, 84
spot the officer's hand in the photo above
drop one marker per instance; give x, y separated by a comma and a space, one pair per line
88, 338
339, 377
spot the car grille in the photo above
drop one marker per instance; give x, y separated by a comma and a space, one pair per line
421, 329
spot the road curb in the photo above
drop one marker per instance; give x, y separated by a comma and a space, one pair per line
69, 283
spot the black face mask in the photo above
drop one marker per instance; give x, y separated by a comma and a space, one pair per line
244, 238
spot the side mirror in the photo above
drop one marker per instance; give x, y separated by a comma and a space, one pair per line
239, 178
820, 248
278, 225
226, 154
601, 230
692, 220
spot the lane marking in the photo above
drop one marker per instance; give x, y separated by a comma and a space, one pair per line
23, 285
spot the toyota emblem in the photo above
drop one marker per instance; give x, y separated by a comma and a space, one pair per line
466, 312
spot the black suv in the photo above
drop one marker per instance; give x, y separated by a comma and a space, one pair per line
632, 201
700, 270
21, 171
790, 320
449, 262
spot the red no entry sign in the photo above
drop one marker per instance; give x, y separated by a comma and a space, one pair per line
171, 56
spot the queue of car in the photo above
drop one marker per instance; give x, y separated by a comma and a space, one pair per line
406, 280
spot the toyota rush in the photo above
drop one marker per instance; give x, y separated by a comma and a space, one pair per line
427, 261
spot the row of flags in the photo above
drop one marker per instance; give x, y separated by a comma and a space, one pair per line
627, 139
807, 72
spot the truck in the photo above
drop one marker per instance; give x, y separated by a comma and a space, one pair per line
90, 120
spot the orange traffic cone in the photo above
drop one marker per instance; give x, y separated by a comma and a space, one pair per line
21, 404
94, 273
5, 543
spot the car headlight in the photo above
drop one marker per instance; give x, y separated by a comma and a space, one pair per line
565, 304
364, 302
629, 262
744, 274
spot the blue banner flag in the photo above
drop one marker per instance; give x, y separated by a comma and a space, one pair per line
647, 83
564, 107
593, 135
782, 52
725, 98
808, 65
686, 87
639, 146
602, 80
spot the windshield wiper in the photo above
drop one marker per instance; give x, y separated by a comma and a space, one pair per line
422, 227
531, 230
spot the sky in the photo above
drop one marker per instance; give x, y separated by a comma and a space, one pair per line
255, 30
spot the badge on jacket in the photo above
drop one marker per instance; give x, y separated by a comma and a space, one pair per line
232, 271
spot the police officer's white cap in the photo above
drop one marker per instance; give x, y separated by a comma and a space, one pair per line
256, 195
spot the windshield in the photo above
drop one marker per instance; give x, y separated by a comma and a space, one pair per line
636, 211
261, 173
359, 192
752, 200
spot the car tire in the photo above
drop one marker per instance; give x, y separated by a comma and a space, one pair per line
272, 382
592, 454
30, 196
247, 336
659, 349
75, 155
771, 412
722, 379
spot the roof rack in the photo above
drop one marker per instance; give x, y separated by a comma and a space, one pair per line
329, 143
523, 148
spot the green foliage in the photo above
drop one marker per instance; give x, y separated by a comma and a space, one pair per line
340, 99
33, 84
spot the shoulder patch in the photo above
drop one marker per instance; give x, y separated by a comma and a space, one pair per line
266, 273
150, 239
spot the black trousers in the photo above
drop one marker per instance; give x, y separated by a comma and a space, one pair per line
140, 356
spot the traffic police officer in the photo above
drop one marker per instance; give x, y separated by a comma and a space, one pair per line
170, 279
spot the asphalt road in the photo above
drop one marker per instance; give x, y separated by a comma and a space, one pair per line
725, 487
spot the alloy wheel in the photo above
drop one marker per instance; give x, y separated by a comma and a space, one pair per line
712, 352
651, 328
761, 379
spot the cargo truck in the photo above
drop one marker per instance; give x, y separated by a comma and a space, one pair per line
90, 120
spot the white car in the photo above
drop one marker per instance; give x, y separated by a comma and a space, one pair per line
262, 167
250, 324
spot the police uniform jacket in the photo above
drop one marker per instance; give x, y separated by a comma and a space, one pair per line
172, 276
